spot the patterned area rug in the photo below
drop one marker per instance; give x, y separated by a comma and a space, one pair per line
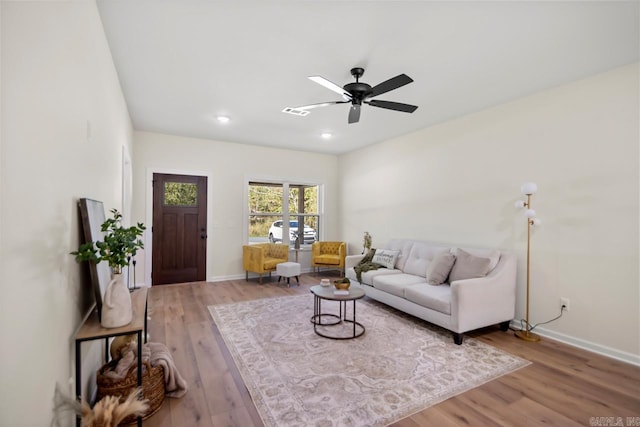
400, 366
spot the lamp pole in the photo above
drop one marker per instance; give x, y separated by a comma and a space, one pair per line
526, 334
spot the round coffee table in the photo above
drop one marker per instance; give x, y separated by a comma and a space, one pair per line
319, 318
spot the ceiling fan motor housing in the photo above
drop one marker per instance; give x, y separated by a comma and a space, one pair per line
359, 91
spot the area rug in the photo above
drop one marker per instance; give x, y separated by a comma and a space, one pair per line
400, 366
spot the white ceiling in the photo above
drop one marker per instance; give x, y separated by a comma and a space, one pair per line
182, 62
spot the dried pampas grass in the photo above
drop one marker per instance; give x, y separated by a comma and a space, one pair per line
108, 412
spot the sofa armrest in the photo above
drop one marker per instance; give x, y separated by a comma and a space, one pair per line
315, 249
253, 258
352, 260
485, 301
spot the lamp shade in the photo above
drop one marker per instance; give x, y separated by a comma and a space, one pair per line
520, 204
530, 213
529, 188
536, 222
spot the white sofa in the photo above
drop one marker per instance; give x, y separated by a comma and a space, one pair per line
459, 306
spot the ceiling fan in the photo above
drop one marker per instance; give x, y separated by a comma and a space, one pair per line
358, 93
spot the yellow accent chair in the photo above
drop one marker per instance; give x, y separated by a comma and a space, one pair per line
328, 254
263, 258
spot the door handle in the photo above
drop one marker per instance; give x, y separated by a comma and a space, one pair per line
203, 236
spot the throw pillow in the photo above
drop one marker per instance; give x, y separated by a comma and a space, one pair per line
385, 257
468, 266
439, 269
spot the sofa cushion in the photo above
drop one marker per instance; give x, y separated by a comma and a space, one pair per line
385, 257
327, 259
434, 297
468, 266
396, 284
270, 263
420, 257
367, 276
439, 269
492, 254
403, 246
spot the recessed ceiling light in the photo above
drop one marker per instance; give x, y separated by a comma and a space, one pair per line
326, 135
223, 119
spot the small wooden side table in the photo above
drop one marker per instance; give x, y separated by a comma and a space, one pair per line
92, 330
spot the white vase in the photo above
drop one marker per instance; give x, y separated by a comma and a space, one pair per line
116, 304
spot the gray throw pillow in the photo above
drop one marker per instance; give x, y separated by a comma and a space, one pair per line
439, 269
468, 266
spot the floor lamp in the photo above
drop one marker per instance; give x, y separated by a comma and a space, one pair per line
528, 190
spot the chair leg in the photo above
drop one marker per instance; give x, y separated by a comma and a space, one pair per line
246, 276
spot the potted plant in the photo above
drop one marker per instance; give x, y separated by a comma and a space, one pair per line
119, 245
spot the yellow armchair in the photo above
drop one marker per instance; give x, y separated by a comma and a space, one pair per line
328, 254
263, 258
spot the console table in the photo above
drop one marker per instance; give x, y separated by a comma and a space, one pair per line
92, 330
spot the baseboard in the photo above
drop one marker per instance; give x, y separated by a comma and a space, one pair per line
223, 278
603, 350
251, 276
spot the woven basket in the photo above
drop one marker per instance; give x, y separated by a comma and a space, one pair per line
153, 387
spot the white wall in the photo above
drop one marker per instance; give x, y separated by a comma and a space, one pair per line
57, 76
228, 167
457, 182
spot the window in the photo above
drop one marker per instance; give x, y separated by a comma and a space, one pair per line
180, 194
276, 209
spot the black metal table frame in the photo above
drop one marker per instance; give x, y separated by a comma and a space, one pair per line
316, 319
106, 358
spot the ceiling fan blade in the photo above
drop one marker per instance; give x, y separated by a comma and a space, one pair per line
322, 104
405, 108
391, 84
331, 86
354, 113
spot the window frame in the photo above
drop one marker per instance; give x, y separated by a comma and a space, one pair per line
286, 217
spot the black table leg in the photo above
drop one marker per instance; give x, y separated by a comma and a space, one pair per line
78, 378
139, 368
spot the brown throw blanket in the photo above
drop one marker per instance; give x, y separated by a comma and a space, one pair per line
366, 264
156, 354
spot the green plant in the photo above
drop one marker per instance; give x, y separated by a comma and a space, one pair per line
119, 244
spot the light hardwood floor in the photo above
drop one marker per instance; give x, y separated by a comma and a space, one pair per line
564, 386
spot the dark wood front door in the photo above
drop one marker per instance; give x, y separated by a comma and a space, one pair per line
179, 251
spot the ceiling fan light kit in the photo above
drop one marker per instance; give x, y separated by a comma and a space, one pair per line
357, 93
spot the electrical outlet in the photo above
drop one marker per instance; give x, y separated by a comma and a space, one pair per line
565, 301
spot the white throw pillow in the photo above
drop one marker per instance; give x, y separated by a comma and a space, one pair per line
385, 257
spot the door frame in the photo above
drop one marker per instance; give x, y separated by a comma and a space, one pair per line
148, 241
